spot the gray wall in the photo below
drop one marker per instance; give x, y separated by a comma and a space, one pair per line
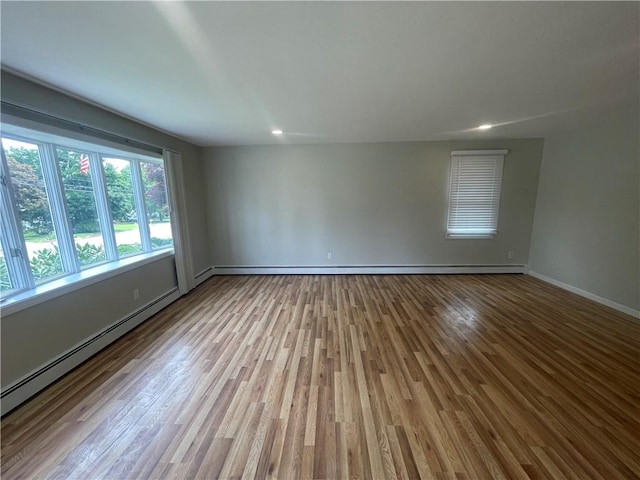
38, 334
370, 204
588, 209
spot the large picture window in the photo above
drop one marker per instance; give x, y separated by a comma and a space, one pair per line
474, 193
68, 206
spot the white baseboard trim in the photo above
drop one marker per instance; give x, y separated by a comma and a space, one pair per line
589, 295
23, 389
204, 275
367, 269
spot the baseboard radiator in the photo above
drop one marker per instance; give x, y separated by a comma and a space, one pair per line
20, 391
365, 269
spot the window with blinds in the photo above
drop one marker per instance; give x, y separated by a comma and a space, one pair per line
474, 193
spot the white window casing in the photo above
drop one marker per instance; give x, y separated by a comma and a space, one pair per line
11, 236
102, 202
58, 206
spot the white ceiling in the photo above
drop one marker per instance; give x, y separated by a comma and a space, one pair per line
227, 73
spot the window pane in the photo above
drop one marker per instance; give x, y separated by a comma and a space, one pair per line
81, 205
25, 170
5, 281
155, 193
125, 222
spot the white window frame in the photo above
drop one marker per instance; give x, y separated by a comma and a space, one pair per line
475, 187
12, 239
24, 288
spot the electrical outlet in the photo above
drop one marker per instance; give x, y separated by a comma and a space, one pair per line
510, 255
329, 255
136, 294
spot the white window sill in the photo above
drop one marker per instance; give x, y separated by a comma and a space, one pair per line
453, 236
76, 281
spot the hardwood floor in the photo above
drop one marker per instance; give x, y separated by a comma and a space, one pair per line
375, 377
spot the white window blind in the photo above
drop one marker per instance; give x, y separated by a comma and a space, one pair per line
474, 193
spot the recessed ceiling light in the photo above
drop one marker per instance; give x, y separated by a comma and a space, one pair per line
486, 126
277, 132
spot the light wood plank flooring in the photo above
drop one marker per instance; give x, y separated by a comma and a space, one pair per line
374, 377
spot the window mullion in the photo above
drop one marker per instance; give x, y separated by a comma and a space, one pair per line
102, 205
141, 207
59, 211
13, 244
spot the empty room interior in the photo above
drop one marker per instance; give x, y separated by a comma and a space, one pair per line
318, 240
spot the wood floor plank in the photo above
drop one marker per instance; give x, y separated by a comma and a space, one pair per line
374, 377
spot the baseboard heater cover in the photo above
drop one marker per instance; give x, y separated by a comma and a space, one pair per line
28, 386
203, 275
365, 269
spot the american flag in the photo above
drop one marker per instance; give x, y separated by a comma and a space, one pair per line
84, 164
